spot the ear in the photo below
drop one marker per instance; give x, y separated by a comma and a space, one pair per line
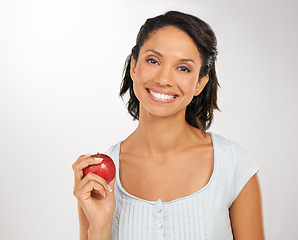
133, 65
201, 84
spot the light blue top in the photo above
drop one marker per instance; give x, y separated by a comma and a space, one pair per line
204, 215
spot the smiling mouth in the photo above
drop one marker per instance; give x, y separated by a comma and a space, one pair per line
162, 96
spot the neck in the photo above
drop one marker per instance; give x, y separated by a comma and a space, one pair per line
163, 135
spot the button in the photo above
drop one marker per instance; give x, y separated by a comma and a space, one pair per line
160, 226
159, 210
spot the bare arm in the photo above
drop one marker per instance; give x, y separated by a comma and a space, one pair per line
246, 213
96, 201
84, 224
88, 233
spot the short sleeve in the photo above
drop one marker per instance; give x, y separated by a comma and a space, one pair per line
111, 149
113, 152
245, 168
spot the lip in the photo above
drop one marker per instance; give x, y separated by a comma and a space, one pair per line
161, 91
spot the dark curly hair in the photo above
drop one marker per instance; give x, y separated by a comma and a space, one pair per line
199, 112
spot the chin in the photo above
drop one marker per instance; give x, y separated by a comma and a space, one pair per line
161, 113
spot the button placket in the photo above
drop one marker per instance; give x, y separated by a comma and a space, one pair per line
159, 212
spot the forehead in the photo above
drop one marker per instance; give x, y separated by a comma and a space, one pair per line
171, 39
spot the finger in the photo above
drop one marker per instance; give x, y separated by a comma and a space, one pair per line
100, 180
93, 177
89, 190
110, 187
82, 158
82, 164
84, 189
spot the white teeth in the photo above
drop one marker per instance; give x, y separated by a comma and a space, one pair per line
161, 96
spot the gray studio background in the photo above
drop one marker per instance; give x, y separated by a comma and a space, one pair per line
60, 71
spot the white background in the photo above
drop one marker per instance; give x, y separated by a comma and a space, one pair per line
60, 71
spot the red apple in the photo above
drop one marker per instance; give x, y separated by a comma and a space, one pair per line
106, 169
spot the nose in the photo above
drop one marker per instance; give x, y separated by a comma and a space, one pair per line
164, 76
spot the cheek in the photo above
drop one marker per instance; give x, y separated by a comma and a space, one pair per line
142, 74
189, 84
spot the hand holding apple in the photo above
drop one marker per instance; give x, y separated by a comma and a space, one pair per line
105, 169
95, 194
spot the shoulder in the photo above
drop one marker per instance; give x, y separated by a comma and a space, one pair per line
113, 151
234, 163
230, 150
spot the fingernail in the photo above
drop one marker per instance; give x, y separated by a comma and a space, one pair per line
104, 194
98, 159
87, 154
110, 189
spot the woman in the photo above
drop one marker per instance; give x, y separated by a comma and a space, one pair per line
174, 180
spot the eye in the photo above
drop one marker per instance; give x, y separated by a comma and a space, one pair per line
151, 60
184, 69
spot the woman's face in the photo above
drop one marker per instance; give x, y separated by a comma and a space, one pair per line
166, 74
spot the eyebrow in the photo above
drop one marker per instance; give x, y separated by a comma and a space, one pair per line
156, 52
180, 60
